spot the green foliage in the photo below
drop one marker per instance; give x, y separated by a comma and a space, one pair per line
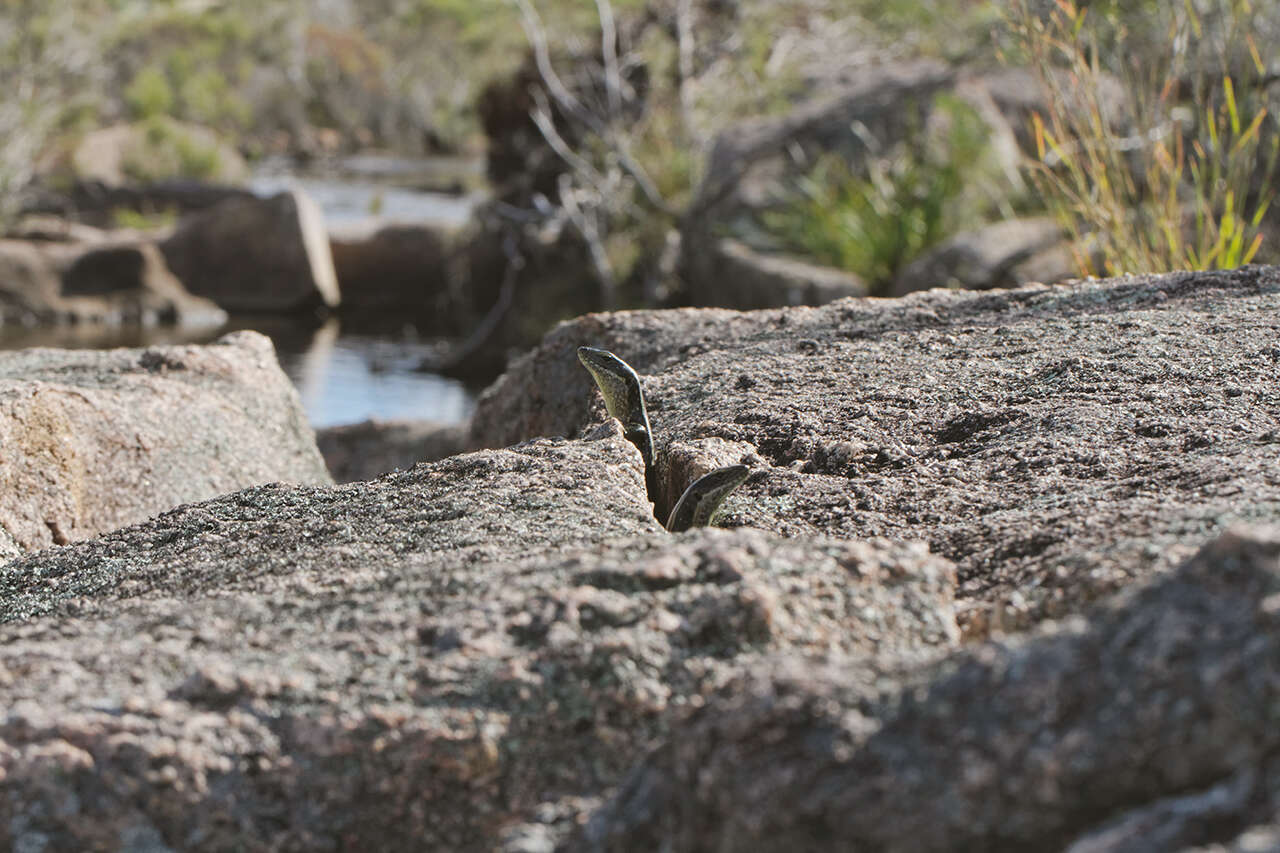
123, 217
946, 28
1179, 179
149, 95
874, 222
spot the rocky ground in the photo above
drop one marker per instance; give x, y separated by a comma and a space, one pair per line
503, 649
1055, 442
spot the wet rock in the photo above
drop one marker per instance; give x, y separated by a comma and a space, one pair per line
1003, 254
256, 255
732, 275
93, 440
363, 451
102, 282
412, 662
1056, 443
1149, 725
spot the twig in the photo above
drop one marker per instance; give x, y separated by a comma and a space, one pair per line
609, 53
684, 46
489, 323
589, 228
541, 115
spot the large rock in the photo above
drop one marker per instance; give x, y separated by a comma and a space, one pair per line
1055, 442
732, 275
93, 440
1152, 725
413, 271
1003, 254
412, 663
256, 255
103, 282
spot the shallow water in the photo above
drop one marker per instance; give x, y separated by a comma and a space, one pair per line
373, 188
344, 375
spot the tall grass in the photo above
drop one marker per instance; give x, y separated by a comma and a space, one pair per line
1175, 176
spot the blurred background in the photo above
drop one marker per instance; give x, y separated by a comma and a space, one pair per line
404, 194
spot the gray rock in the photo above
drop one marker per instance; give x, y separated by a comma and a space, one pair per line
409, 663
732, 275
1054, 442
94, 440
1003, 254
363, 451
1158, 712
251, 254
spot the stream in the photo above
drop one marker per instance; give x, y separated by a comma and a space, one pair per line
343, 375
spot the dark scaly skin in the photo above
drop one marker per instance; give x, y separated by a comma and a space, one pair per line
700, 502
623, 398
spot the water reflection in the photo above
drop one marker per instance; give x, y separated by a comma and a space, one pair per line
343, 376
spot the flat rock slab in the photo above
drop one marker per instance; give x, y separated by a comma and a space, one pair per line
94, 440
1152, 725
1054, 442
416, 662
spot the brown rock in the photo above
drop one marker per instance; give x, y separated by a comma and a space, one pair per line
250, 254
91, 441
1149, 726
410, 269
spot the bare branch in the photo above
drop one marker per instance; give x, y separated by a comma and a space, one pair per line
541, 115
685, 46
584, 219
609, 52
565, 99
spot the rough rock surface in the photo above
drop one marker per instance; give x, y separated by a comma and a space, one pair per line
252, 254
365, 450
93, 440
107, 282
1152, 725
416, 662
1055, 442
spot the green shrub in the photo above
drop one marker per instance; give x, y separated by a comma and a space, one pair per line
167, 149
872, 222
149, 95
